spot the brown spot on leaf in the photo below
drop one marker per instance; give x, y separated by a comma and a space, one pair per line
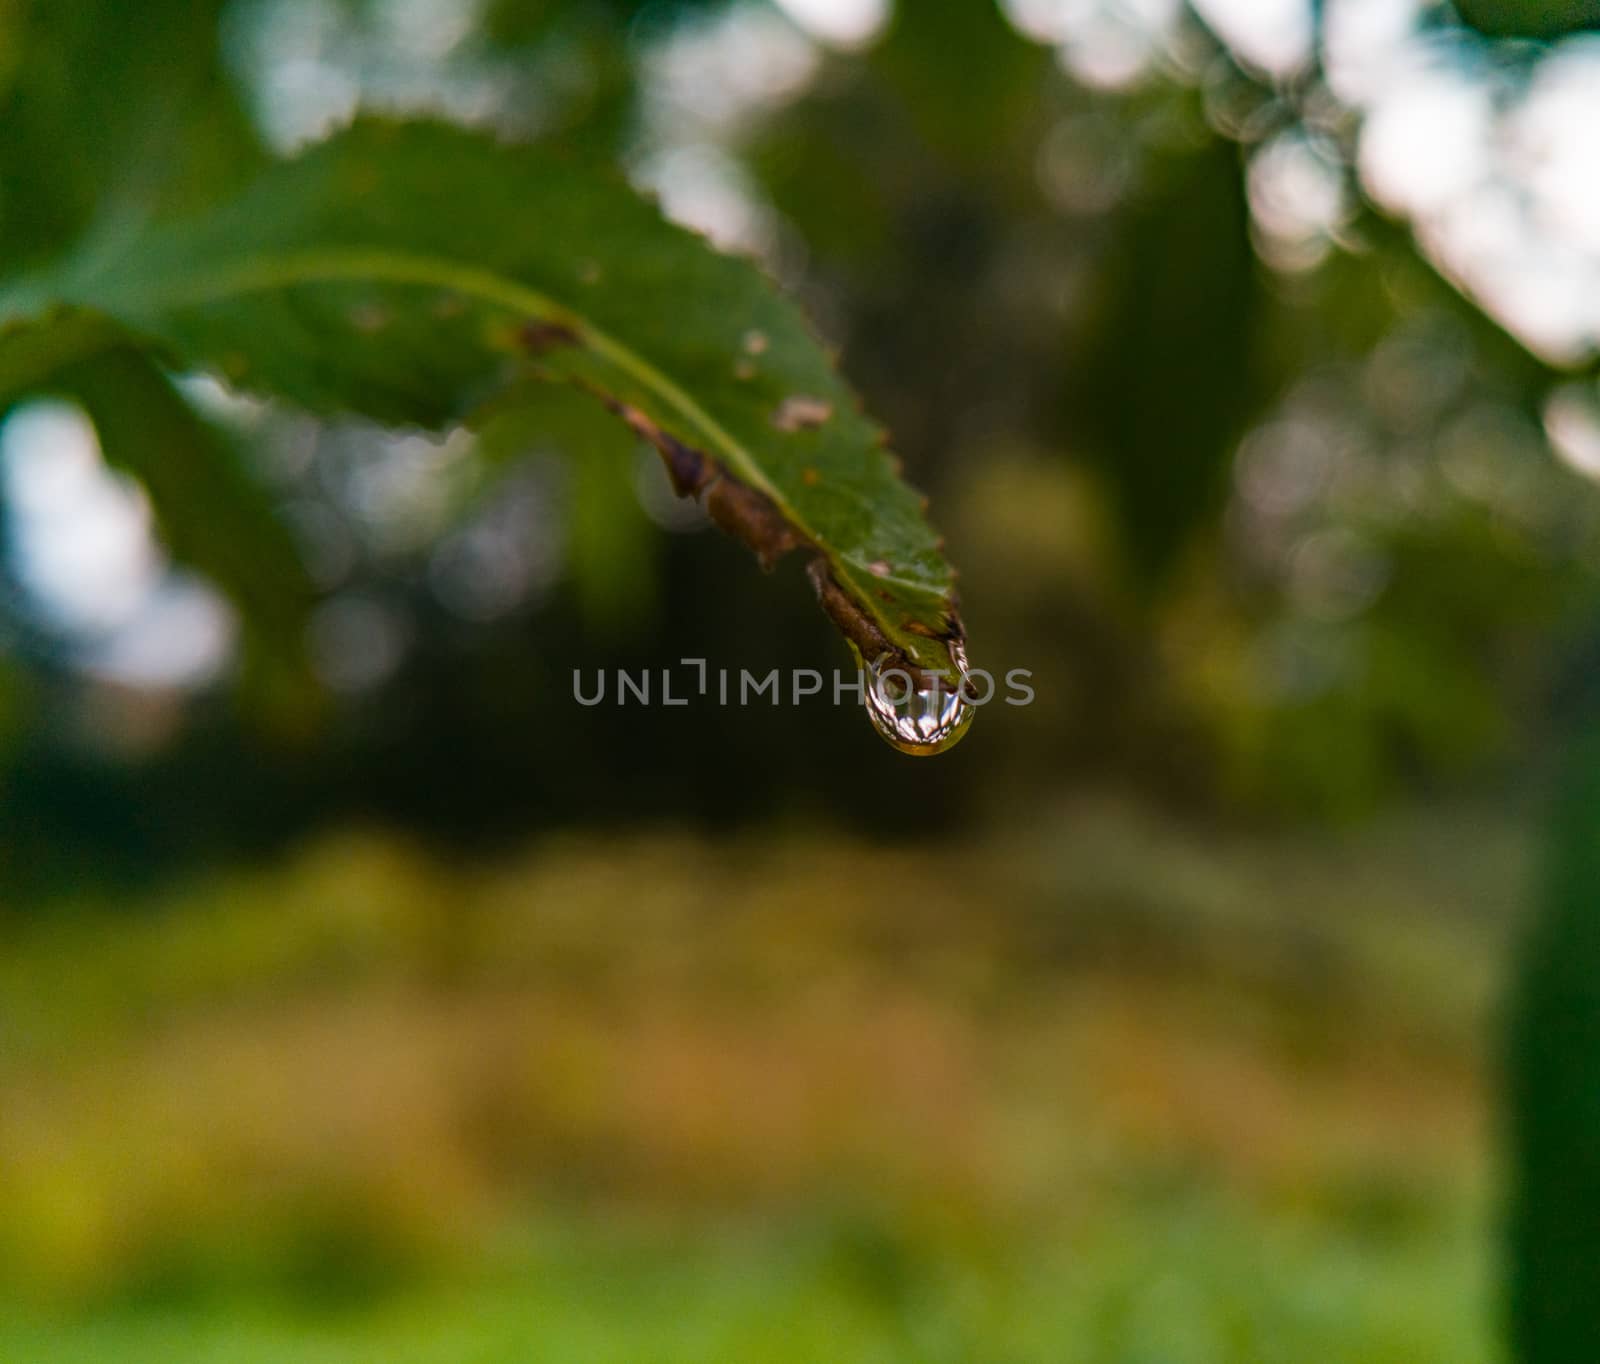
688, 470
800, 413
860, 628
744, 512
744, 370
879, 569
750, 515
810, 477
841, 608
538, 337
755, 343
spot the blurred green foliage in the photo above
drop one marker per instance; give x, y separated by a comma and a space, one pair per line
111, 110
1275, 523
1175, 335
1115, 1092
1530, 18
1302, 547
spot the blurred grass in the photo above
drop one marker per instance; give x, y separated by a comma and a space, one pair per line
1102, 1089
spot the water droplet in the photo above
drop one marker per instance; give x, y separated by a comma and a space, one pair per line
879, 568
918, 713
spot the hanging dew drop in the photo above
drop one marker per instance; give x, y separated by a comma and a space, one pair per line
916, 713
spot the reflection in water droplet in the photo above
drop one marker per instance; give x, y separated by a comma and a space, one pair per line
919, 714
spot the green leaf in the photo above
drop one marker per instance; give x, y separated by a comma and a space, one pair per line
413, 271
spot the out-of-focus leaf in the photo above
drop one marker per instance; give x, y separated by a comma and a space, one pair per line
212, 515
1530, 18
409, 271
966, 79
581, 60
1164, 375
608, 536
34, 350
1554, 1092
609, 539
112, 110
